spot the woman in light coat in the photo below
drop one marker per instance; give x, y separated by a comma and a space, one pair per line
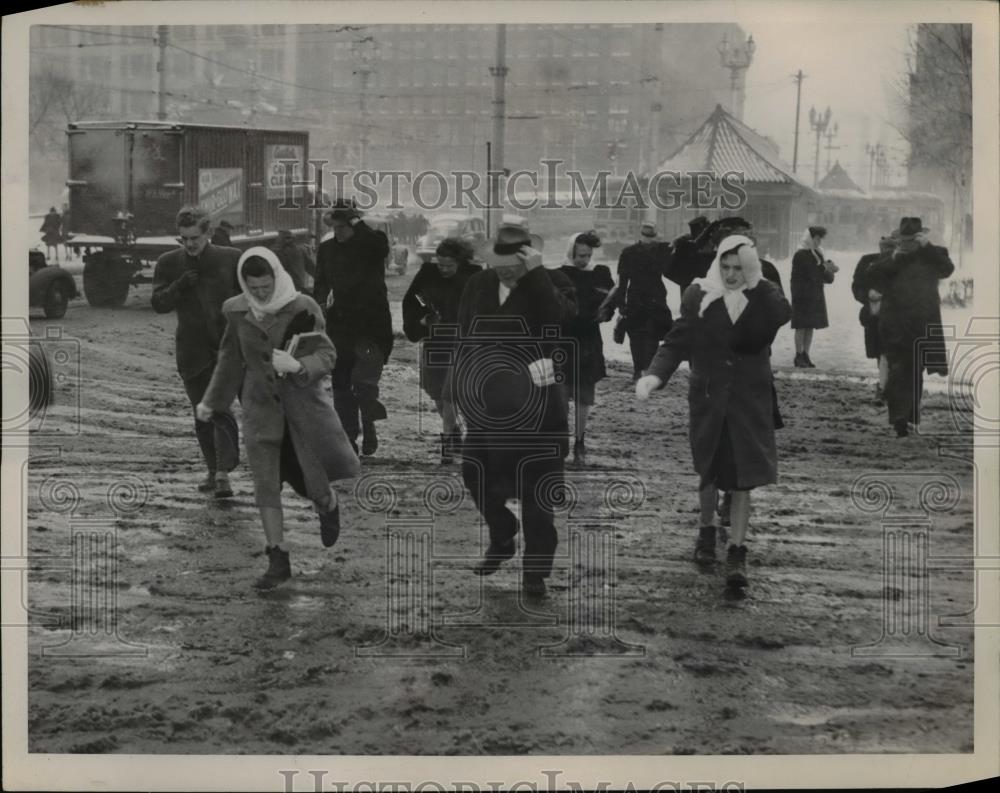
291, 429
728, 321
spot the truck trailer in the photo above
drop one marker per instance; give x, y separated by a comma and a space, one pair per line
128, 179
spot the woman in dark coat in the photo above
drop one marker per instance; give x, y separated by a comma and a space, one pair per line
52, 232
908, 280
728, 321
811, 271
871, 303
291, 429
429, 304
593, 283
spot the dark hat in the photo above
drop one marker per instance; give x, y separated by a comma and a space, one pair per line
648, 229
817, 231
589, 238
225, 224
509, 241
698, 225
910, 228
343, 209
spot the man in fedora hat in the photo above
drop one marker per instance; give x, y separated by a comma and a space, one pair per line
504, 383
641, 297
350, 282
910, 318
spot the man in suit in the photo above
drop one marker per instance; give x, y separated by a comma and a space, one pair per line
195, 280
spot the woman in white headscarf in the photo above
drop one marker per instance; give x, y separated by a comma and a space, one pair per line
728, 321
291, 429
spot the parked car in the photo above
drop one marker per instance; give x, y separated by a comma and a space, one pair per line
470, 228
49, 286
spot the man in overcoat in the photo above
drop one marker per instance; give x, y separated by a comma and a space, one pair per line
504, 384
910, 318
350, 282
195, 280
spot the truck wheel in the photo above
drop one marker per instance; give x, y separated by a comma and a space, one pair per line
39, 379
56, 300
106, 281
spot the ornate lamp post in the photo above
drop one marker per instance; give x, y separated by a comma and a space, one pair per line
737, 56
818, 122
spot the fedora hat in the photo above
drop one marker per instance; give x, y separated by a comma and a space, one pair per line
509, 241
910, 228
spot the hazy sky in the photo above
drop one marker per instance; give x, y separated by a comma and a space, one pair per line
847, 67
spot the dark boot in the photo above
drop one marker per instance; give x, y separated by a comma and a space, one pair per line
208, 483
901, 427
533, 584
329, 526
369, 438
278, 571
800, 361
704, 549
495, 556
736, 566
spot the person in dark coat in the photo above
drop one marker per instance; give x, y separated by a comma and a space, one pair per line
504, 384
910, 318
592, 284
295, 260
811, 271
693, 253
350, 281
221, 235
52, 232
430, 306
641, 297
290, 425
728, 321
195, 280
871, 302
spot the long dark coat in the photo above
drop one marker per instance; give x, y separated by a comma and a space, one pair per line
200, 321
911, 303
731, 378
509, 418
270, 403
860, 284
440, 297
809, 277
51, 229
587, 365
641, 298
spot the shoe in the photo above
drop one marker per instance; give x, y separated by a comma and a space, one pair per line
369, 439
495, 556
902, 428
222, 487
579, 453
208, 483
800, 361
736, 566
808, 361
278, 571
704, 549
534, 585
329, 526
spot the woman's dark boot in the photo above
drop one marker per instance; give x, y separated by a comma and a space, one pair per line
278, 571
704, 549
736, 566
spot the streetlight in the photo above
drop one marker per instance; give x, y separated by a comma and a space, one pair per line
818, 122
876, 156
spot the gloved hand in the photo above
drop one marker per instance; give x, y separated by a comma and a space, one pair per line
203, 412
188, 279
284, 363
530, 257
646, 385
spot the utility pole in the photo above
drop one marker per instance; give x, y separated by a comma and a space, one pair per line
499, 72
364, 50
830, 135
818, 122
799, 77
161, 68
876, 156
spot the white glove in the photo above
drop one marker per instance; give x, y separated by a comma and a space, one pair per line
530, 257
203, 412
284, 363
646, 385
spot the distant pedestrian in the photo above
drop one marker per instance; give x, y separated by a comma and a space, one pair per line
290, 426
871, 304
910, 319
52, 232
728, 321
222, 234
293, 259
811, 271
593, 283
195, 280
429, 306
641, 296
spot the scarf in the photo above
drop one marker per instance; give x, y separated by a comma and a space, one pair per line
284, 290
715, 288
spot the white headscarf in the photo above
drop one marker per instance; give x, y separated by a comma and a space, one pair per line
713, 285
284, 289
807, 244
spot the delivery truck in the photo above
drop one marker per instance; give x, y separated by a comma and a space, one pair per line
128, 179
